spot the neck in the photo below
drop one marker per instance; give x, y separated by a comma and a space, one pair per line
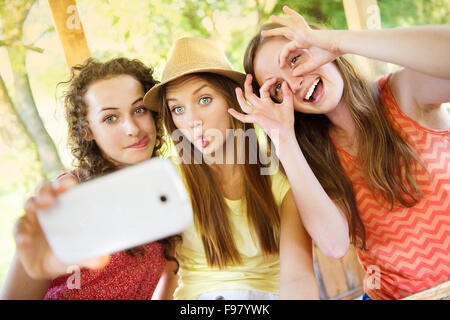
230, 181
343, 126
226, 172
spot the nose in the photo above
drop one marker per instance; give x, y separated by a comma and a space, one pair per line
294, 82
194, 118
195, 125
131, 127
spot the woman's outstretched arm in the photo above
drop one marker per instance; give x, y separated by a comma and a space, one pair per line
423, 48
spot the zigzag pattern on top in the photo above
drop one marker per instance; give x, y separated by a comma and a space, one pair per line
409, 246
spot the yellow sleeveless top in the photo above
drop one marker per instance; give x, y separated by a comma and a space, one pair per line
257, 272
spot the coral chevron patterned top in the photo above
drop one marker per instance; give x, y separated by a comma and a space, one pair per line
409, 248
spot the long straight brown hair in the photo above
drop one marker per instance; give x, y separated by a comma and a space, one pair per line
210, 209
387, 160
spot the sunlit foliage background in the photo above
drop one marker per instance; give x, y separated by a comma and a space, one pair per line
144, 30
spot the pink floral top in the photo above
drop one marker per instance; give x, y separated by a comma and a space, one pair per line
126, 277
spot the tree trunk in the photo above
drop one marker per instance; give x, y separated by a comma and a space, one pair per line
28, 113
12, 128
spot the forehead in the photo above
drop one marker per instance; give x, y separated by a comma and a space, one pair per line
185, 85
115, 91
266, 62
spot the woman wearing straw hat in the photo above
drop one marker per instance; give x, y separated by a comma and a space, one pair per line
248, 241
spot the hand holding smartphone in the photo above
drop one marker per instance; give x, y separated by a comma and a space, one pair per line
130, 207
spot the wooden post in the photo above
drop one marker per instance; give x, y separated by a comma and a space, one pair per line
339, 278
365, 14
70, 31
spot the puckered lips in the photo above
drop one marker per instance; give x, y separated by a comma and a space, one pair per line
205, 142
202, 140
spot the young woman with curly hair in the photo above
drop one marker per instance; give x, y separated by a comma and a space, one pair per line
109, 128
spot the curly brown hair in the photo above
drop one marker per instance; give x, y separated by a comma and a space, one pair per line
87, 154
89, 159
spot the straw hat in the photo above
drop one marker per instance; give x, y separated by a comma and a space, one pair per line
192, 55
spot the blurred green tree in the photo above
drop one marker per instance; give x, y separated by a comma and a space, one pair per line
13, 14
146, 30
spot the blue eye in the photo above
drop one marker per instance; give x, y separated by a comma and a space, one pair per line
141, 110
178, 110
110, 119
277, 88
205, 100
295, 59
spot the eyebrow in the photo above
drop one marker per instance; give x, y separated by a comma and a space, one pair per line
112, 108
195, 92
267, 79
205, 85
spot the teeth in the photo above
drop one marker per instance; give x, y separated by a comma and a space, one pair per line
311, 89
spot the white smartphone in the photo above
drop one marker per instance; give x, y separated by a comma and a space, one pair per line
124, 209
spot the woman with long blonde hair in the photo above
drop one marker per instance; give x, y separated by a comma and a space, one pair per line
380, 150
248, 241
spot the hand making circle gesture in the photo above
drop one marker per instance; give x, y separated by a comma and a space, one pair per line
321, 47
276, 119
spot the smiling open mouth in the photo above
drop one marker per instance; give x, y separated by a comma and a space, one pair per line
315, 91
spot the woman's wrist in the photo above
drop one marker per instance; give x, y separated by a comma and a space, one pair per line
287, 147
330, 40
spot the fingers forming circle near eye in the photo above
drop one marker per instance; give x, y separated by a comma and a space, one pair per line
241, 117
251, 98
264, 91
296, 16
245, 105
286, 51
278, 32
285, 21
287, 94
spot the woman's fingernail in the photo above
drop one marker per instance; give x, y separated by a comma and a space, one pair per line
45, 198
56, 184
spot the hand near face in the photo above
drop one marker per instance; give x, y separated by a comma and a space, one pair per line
270, 116
320, 47
33, 249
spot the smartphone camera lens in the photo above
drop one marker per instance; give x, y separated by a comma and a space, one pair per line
163, 198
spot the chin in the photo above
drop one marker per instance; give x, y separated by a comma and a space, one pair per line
315, 109
308, 110
143, 157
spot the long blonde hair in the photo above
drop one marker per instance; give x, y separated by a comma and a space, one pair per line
387, 160
210, 209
